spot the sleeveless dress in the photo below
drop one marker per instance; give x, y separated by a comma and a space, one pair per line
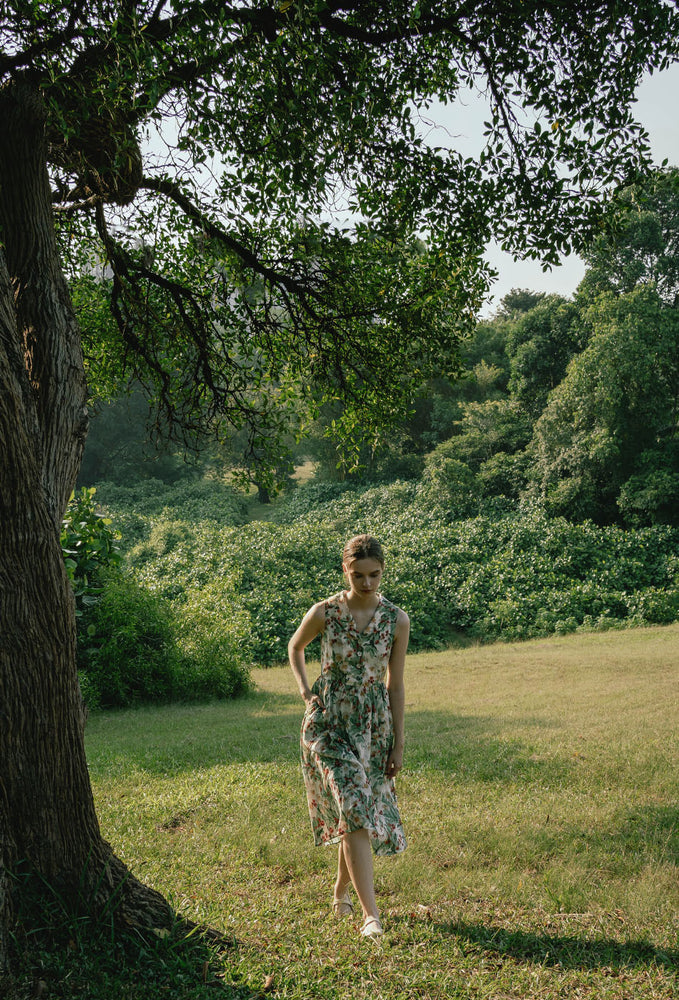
345, 745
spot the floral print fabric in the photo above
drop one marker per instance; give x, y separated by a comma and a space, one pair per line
346, 744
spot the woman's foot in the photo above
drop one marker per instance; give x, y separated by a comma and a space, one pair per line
372, 928
342, 905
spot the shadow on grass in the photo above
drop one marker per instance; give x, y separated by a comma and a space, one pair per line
176, 739
470, 747
264, 728
71, 946
653, 828
562, 950
45, 972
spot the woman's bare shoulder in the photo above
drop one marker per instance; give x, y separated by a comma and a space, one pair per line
317, 612
401, 616
402, 621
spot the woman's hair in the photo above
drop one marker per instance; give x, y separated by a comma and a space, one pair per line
362, 547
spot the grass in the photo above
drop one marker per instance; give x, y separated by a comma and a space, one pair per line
540, 802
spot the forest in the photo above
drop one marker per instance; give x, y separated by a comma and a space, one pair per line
536, 493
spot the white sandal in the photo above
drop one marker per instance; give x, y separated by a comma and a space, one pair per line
343, 907
372, 928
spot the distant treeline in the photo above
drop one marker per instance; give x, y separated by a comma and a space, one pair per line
570, 403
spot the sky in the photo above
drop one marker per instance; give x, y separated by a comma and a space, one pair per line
657, 110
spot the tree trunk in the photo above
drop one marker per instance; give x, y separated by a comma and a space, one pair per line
47, 815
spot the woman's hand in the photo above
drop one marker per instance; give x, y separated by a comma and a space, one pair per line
394, 762
314, 699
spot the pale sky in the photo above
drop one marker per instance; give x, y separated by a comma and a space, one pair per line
656, 109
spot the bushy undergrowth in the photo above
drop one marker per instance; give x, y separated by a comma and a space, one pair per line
136, 508
510, 572
133, 647
89, 544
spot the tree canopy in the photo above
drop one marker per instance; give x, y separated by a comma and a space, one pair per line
642, 247
257, 181
615, 408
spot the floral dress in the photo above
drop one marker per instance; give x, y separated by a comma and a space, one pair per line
345, 745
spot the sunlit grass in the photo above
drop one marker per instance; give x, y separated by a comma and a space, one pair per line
539, 798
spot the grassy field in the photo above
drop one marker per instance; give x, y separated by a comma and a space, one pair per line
540, 799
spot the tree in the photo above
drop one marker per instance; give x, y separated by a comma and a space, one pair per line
234, 296
606, 443
540, 343
642, 245
484, 429
518, 301
616, 407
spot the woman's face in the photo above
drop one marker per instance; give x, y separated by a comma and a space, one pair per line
364, 576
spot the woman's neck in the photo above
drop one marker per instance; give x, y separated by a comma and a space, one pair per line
356, 600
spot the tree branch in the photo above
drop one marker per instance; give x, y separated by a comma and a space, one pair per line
77, 14
172, 190
27, 57
155, 17
496, 91
78, 206
204, 367
267, 19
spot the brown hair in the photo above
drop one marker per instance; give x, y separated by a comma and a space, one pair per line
362, 547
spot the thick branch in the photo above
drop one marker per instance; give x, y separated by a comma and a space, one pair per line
175, 193
45, 46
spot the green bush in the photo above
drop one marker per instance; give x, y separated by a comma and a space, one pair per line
214, 638
654, 606
133, 649
448, 477
309, 497
651, 499
127, 652
89, 544
132, 645
136, 509
504, 474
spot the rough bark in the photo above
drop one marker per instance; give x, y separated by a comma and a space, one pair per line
45, 321
47, 815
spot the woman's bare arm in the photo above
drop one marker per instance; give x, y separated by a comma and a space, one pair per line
312, 625
396, 689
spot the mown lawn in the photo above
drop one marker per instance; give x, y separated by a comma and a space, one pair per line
540, 798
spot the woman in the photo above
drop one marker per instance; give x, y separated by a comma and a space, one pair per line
352, 732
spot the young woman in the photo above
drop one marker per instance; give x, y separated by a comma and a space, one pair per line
352, 731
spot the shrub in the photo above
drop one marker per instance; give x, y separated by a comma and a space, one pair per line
309, 498
651, 498
133, 648
214, 637
504, 474
89, 544
452, 479
236, 593
654, 606
127, 651
135, 509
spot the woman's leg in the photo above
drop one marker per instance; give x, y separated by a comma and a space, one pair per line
343, 877
358, 857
